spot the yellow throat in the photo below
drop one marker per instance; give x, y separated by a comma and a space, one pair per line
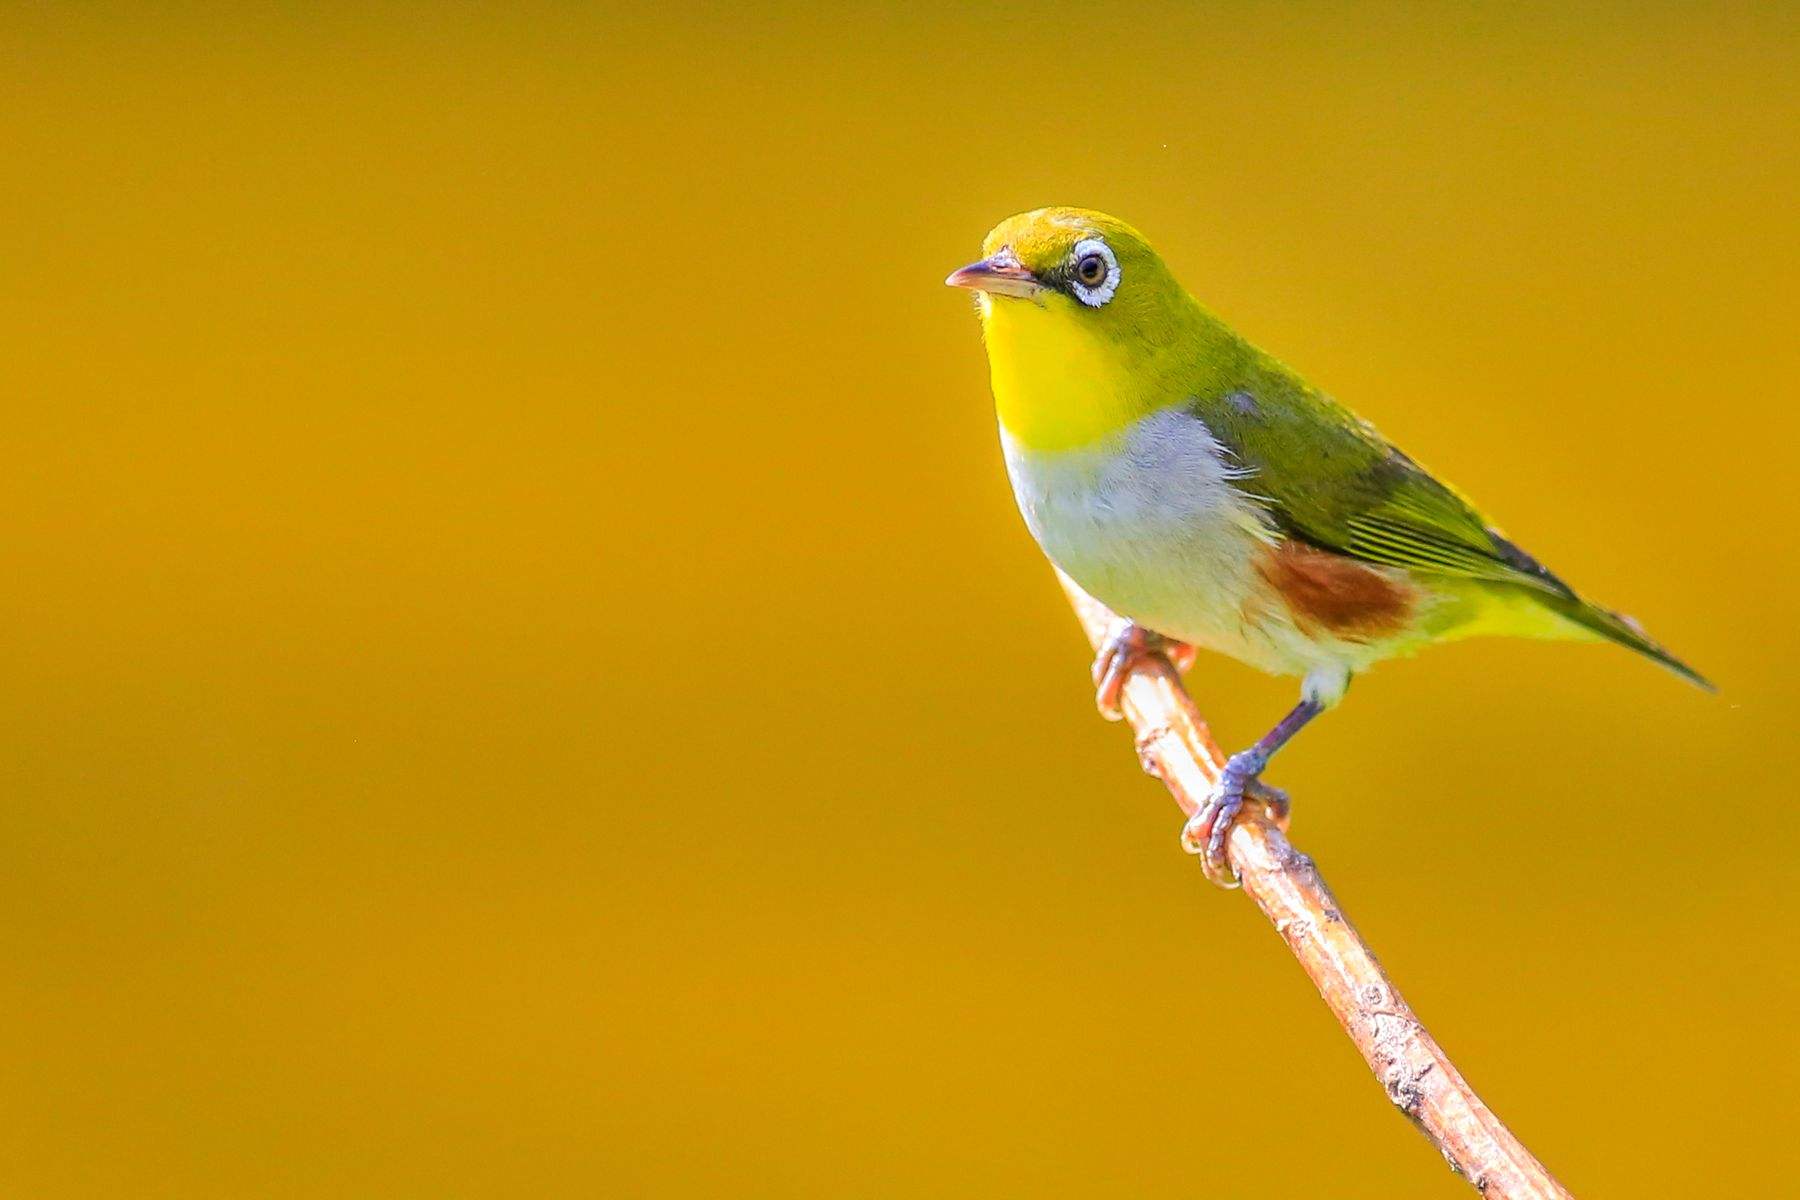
1057, 386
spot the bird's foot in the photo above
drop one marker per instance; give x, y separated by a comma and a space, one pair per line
1205, 832
1125, 649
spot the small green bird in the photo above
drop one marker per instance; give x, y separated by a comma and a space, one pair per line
1213, 498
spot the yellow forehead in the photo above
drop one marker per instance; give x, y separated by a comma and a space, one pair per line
1043, 237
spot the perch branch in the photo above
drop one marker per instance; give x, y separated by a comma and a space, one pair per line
1175, 745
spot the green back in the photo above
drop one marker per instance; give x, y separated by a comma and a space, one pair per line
1328, 478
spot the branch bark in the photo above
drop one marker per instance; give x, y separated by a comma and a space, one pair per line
1175, 745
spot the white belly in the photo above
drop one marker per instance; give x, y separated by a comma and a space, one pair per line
1151, 524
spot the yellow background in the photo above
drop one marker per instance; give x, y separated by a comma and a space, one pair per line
521, 675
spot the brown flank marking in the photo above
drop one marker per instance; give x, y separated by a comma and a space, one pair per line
1340, 595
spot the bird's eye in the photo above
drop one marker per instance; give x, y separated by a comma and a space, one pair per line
1093, 272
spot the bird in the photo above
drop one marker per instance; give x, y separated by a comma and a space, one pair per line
1214, 499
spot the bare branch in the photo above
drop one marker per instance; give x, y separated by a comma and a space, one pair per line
1175, 745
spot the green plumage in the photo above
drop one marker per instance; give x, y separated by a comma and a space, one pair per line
1211, 497
1330, 479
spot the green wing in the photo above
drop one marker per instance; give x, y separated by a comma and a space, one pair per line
1423, 525
1328, 478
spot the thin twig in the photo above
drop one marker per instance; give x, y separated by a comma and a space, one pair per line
1175, 745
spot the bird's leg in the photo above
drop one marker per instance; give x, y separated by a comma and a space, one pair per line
1206, 830
1128, 645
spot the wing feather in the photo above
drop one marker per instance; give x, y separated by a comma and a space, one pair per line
1329, 478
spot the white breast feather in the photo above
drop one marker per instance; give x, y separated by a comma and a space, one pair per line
1153, 524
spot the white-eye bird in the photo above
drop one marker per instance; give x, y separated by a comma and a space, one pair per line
1213, 498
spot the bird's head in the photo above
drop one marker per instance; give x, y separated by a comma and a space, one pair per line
1082, 321
1073, 262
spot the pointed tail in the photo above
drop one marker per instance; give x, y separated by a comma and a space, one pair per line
1617, 627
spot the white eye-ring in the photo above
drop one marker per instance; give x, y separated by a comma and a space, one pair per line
1093, 272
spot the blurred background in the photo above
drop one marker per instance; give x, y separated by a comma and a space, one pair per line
522, 675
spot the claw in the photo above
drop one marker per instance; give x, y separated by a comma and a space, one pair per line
1207, 830
1271, 798
1124, 650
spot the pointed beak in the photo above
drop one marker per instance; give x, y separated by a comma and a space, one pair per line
999, 274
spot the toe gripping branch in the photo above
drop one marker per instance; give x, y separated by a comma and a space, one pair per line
1137, 671
1131, 653
1206, 830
